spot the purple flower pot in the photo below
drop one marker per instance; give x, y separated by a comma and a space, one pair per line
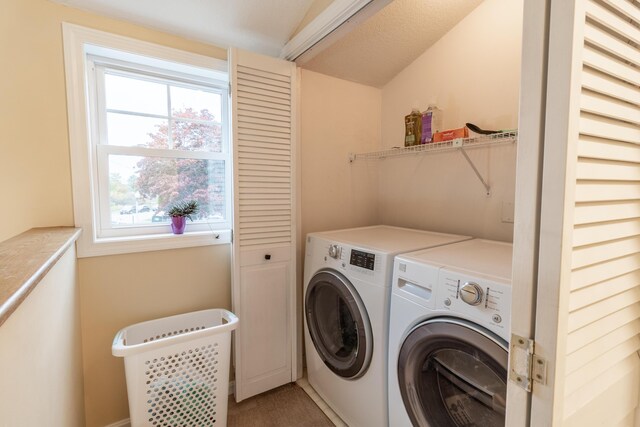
178, 223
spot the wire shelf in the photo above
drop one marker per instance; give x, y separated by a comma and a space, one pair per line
439, 147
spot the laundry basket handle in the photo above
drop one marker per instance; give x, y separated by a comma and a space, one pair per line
231, 319
121, 348
118, 341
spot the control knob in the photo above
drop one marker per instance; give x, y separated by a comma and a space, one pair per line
334, 251
471, 293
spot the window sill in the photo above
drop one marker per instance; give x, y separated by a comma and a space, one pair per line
88, 246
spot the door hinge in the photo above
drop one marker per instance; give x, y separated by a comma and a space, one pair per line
231, 235
525, 366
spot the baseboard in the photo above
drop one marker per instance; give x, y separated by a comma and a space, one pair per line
319, 401
121, 423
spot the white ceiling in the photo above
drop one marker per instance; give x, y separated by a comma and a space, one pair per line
262, 26
381, 47
372, 53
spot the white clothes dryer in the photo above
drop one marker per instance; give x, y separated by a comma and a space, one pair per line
449, 333
346, 303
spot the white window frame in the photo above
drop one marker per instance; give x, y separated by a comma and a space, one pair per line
98, 67
80, 45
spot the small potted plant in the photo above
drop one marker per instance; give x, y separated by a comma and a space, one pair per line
179, 212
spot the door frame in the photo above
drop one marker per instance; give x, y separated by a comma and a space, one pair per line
566, 38
530, 152
549, 97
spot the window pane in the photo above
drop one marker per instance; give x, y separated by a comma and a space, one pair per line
140, 96
131, 131
185, 102
196, 136
142, 188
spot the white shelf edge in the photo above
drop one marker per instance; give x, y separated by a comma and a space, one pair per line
439, 147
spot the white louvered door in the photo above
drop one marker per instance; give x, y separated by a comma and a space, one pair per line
263, 274
588, 296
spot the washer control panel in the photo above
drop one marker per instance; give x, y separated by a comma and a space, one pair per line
363, 259
335, 251
356, 257
360, 263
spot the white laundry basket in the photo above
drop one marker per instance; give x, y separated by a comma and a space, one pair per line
177, 368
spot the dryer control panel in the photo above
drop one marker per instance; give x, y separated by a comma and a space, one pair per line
484, 301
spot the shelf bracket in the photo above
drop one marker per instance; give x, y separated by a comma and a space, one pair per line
475, 169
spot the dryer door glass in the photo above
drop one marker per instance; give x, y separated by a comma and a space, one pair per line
338, 324
453, 374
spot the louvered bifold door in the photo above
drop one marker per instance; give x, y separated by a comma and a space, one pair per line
264, 135
603, 325
596, 371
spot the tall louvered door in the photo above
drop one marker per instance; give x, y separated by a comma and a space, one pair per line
263, 274
588, 299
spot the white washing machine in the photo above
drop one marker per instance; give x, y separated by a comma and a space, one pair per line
347, 288
448, 338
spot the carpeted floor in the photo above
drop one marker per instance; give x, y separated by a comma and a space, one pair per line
284, 406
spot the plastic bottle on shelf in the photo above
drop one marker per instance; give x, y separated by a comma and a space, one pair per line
412, 128
431, 123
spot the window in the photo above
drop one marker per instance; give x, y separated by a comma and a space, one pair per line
156, 133
160, 139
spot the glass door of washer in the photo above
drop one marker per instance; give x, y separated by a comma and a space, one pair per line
453, 374
338, 324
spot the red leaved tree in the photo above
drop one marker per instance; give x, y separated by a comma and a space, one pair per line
173, 180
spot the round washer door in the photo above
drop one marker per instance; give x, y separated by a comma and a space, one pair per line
452, 374
338, 324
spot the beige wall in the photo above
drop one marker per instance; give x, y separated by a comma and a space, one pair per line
473, 74
337, 117
41, 357
120, 290
35, 175
34, 152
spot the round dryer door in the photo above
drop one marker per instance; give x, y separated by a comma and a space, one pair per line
338, 324
453, 374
